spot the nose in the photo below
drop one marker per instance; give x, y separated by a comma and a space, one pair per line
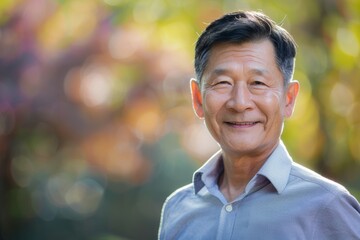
240, 98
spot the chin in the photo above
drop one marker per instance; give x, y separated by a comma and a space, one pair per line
250, 148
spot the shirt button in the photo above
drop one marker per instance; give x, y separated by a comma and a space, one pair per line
228, 208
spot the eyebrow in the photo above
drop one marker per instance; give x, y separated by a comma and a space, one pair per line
219, 71
259, 71
255, 71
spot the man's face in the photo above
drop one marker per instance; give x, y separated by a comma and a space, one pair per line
242, 97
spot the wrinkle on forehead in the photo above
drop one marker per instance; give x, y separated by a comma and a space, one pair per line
259, 57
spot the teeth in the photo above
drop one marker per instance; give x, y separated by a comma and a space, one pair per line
243, 123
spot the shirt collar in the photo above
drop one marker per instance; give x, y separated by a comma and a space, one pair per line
276, 169
208, 173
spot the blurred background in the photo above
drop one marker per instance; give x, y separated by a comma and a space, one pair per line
96, 124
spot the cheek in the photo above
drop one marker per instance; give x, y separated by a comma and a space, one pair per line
272, 104
212, 103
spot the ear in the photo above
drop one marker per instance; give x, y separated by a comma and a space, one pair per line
196, 98
291, 94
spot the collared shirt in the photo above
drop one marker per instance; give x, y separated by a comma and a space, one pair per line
282, 201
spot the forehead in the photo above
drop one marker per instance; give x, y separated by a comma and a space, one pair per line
251, 55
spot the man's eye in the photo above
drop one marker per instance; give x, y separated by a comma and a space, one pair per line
223, 83
258, 83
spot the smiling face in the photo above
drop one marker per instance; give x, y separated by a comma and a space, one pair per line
243, 98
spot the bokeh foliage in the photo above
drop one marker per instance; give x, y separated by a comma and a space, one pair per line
96, 125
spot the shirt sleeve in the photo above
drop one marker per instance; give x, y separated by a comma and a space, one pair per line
339, 218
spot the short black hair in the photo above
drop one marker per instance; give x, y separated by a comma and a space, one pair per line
246, 26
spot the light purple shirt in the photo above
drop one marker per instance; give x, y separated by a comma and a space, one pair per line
282, 201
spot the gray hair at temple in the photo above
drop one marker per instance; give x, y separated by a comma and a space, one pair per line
246, 26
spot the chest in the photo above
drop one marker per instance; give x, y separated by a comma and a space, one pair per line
269, 216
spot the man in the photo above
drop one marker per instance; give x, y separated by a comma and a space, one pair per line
251, 188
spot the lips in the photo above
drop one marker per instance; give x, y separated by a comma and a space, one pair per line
241, 124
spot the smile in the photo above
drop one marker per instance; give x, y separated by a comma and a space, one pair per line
242, 124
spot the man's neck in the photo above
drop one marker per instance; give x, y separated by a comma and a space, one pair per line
238, 172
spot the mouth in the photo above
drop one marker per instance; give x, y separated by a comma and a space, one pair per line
241, 124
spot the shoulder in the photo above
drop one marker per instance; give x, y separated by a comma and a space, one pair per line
172, 210
336, 213
180, 194
176, 201
315, 180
